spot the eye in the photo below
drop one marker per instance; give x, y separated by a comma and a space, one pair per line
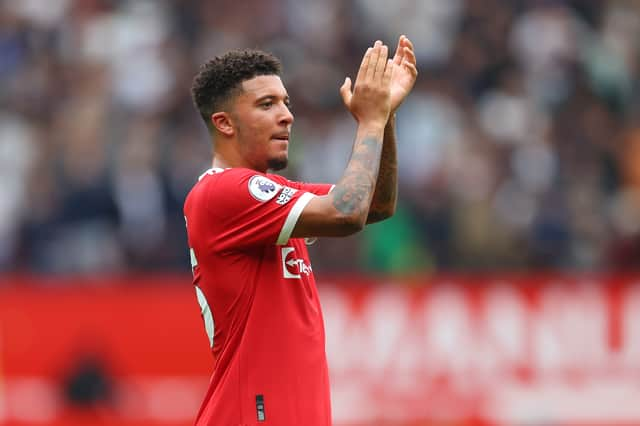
266, 104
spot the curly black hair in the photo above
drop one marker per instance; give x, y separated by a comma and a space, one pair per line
221, 77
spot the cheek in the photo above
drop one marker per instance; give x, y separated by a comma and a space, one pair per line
247, 131
254, 140
254, 128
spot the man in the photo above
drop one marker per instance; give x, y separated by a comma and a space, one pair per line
247, 230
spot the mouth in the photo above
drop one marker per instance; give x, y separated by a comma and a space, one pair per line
281, 137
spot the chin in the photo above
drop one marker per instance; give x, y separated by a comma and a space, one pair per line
278, 164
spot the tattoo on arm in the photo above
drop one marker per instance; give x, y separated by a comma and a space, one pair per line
386, 193
353, 193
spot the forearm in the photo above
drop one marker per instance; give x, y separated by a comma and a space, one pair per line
385, 196
353, 193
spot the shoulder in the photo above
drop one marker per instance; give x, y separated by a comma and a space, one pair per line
216, 177
241, 181
239, 174
281, 180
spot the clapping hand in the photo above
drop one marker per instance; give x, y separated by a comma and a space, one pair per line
405, 72
371, 96
403, 78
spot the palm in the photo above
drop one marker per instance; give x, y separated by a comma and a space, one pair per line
404, 72
401, 84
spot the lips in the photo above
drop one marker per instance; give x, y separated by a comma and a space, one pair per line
281, 136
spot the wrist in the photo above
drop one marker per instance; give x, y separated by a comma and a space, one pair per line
391, 121
371, 126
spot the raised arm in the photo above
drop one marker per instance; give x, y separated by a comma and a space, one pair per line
344, 211
383, 204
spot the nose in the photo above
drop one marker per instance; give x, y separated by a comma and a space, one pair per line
286, 116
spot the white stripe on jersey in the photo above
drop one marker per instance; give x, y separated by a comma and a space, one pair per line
292, 218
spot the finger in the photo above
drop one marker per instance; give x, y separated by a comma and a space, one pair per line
399, 55
413, 70
382, 61
373, 61
409, 55
388, 73
408, 43
362, 71
345, 92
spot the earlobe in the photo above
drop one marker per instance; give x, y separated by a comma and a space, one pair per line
223, 123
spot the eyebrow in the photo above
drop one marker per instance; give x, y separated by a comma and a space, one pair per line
265, 97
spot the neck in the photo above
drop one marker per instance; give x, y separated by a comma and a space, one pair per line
219, 162
226, 154
223, 160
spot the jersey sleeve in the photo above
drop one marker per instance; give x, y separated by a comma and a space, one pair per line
250, 209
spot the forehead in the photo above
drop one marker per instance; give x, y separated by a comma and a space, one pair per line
263, 85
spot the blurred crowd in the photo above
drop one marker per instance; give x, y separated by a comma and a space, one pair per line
518, 149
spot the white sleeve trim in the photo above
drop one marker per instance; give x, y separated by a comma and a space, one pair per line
292, 218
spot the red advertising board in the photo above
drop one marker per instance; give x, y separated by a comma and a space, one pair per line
550, 349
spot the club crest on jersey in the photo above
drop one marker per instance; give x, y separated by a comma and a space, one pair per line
262, 188
292, 266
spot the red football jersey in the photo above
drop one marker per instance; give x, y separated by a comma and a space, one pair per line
258, 299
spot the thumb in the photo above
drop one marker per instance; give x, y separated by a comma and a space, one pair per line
345, 91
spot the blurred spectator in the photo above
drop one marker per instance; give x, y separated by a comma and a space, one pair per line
17, 152
88, 385
518, 148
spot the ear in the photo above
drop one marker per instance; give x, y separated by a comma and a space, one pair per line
223, 123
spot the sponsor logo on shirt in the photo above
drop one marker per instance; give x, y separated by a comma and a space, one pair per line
262, 188
285, 195
293, 267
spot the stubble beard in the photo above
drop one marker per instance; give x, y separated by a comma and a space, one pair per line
276, 164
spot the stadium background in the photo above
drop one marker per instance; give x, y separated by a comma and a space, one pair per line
503, 292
